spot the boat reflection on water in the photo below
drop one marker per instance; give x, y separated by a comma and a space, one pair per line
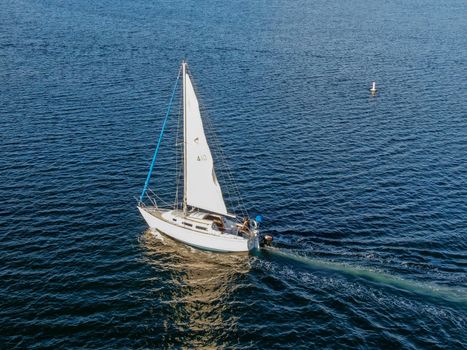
200, 287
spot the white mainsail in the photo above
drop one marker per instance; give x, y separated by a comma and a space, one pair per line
201, 187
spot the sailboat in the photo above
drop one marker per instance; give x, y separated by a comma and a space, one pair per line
202, 221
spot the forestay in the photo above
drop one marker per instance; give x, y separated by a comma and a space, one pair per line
202, 189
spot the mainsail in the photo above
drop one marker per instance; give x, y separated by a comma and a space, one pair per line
201, 187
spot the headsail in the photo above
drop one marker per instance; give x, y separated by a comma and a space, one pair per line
201, 187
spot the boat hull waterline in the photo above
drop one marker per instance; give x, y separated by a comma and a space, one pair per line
205, 241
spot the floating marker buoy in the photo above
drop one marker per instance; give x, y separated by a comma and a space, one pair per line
373, 89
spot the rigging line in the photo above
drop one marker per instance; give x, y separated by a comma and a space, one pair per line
229, 174
226, 171
160, 139
232, 188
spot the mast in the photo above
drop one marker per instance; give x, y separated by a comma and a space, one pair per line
184, 139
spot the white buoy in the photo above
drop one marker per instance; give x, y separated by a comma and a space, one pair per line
373, 89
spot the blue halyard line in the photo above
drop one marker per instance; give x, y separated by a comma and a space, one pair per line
160, 140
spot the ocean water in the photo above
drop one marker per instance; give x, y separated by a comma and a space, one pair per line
366, 197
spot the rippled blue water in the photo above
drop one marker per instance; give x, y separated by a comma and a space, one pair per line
366, 197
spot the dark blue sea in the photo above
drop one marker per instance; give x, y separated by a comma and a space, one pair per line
366, 197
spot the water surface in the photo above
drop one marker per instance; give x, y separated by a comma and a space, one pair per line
366, 197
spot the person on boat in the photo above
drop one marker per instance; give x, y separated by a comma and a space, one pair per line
245, 226
219, 223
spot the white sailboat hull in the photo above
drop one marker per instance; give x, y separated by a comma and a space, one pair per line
206, 241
